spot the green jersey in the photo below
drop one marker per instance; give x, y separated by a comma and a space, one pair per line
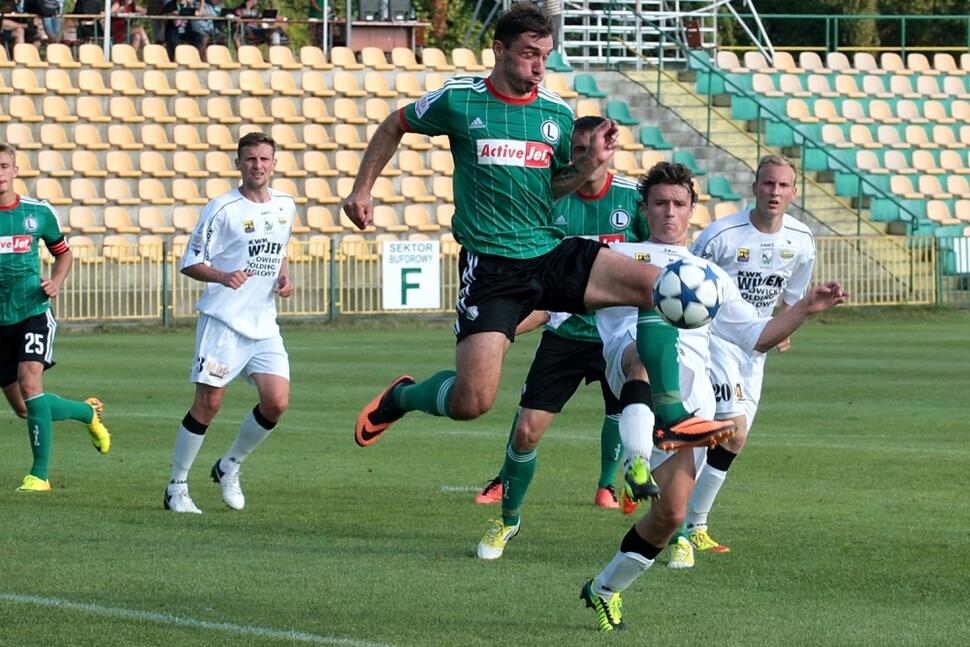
611, 216
22, 225
506, 151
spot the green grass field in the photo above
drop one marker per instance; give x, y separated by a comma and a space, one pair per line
847, 512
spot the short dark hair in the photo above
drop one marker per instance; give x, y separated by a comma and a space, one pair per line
522, 17
254, 139
587, 124
667, 173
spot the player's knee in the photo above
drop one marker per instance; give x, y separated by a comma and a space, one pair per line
526, 437
274, 408
20, 411
469, 408
668, 517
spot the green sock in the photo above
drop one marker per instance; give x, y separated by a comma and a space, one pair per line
63, 409
610, 450
517, 473
39, 434
430, 396
680, 532
657, 348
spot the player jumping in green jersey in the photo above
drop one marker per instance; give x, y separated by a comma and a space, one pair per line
27, 325
511, 142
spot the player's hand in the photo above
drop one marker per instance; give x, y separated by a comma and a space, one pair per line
50, 287
602, 142
784, 345
360, 209
234, 280
284, 287
823, 297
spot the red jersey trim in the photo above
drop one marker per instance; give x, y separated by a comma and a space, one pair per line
512, 100
404, 120
12, 205
601, 193
58, 248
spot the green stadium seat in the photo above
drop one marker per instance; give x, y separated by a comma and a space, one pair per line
720, 188
687, 159
556, 63
619, 111
651, 137
585, 84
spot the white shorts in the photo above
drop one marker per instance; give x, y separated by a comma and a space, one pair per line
736, 377
221, 354
695, 389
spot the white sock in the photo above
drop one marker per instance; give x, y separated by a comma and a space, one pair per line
636, 430
702, 498
187, 447
620, 573
251, 434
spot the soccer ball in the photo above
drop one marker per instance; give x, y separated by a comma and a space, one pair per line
687, 294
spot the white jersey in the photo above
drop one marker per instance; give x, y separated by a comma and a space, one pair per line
767, 268
232, 234
738, 319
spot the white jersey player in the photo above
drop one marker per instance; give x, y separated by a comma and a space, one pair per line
770, 257
668, 201
238, 249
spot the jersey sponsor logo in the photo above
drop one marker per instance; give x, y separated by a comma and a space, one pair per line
743, 255
267, 226
216, 368
560, 220
472, 313
643, 257
476, 123
620, 219
511, 152
421, 106
18, 244
609, 239
766, 258
787, 255
248, 226
31, 224
550, 131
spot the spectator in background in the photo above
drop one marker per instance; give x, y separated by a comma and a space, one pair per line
180, 31
213, 30
258, 33
123, 30
316, 29
50, 12
88, 28
156, 8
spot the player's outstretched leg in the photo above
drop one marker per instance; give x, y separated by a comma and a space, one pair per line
702, 541
100, 437
638, 484
496, 537
491, 493
607, 609
681, 550
375, 418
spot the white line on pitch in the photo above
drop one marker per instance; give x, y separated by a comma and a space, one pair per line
166, 619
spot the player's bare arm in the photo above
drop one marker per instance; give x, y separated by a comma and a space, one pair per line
358, 206
208, 274
284, 287
535, 319
785, 344
818, 299
62, 265
602, 144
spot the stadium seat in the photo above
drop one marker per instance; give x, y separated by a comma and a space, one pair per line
845, 86
376, 110
287, 165
123, 82
902, 88
403, 59
417, 218
687, 159
721, 189
119, 192
251, 83
443, 215
619, 111
902, 186
944, 63
343, 57
82, 219
24, 80
314, 59
585, 84
929, 185
919, 64
184, 218
435, 59
938, 212
286, 138
51, 161
412, 163
23, 109
220, 110
791, 85
626, 141
557, 63
348, 136
118, 220
22, 137
151, 247
626, 164
345, 111
376, 86
188, 57
345, 84
187, 137
588, 108
155, 136
407, 85
121, 137
290, 188
186, 164
317, 189
186, 192
281, 57
464, 60
120, 248
217, 186
560, 85
319, 246
282, 82
488, 58
386, 220
60, 55
373, 58
286, 110
819, 86
434, 81
118, 163
700, 217
188, 110
316, 85
317, 137
415, 190
933, 111
153, 163
85, 135
728, 61
892, 63
59, 82
652, 137
220, 82
250, 56
154, 109
756, 62
28, 55
812, 63
218, 164
866, 63
251, 111
442, 189
85, 192
187, 83
219, 56
125, 56
952, 162
156, 56
91, 56
84, 249
442, 163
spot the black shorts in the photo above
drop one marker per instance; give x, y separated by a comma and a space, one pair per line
498, 292
30, 340
560, 365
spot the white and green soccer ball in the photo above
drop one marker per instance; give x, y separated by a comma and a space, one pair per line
686, 293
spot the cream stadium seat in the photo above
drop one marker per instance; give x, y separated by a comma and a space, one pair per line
156, 109
929, 185
315, 84
124, 55
250, 56
22, 137
92, 82
251, 111
374, 59
28, 55
315, 109
155, 136
187, 83
286, 138
219, 56
188, 110
415, 190
118, 220
320, 219
217, 186
317, 189
314, 58
345, 84
412, 163
187, 137
417, 218
220, 82
289, 187
345, 112
52, 162
348, 136
59, 82
186, 164
91, 56
153, 163
344, 58
85, 192
287, 165
376, 85
119, 192
23, 109
464, 59
866, 63
442, 189
434, 81
121, 137
403, 58
89, 109
118, 163
435, 59
24, 80
123, 82
386, 220
316, 137
281, 57
251, 83
283, 82
185, 218
318, 163
219, 109
938, 211
218, 163
156, 56
188, 57
407, 85
82, 219
60, 55
186, 191
85, 135
152, 192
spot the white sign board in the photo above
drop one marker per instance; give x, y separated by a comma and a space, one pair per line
411, 273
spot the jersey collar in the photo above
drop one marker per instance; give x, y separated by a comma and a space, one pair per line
600, 193
12, 205
506, 99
